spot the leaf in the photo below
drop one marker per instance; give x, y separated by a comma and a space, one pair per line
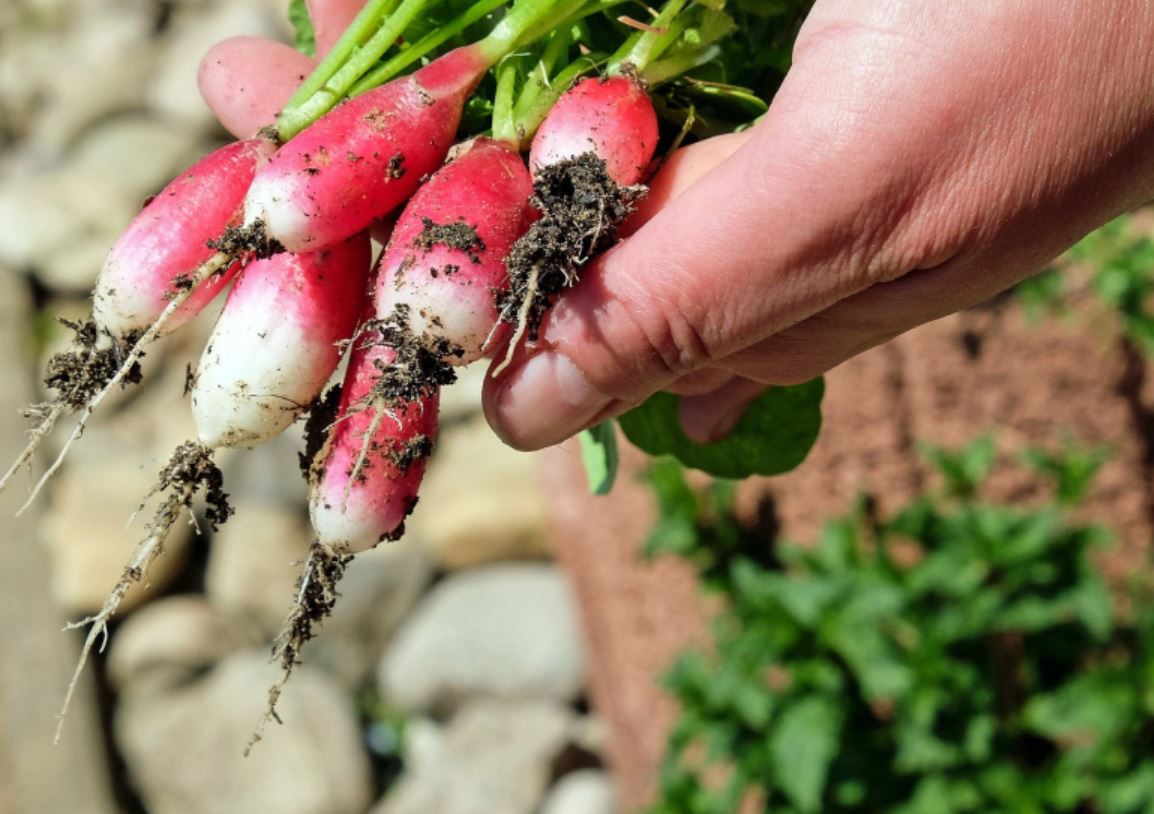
774, 435
804, 744
599, 454
675, 531
305, 38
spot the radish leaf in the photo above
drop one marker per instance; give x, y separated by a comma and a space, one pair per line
599, 454
305, 38
773, 436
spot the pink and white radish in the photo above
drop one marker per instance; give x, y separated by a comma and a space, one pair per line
169, 238
588, 156
611, 117
275, 345
445, 263
160, 273
364, 158
365, 479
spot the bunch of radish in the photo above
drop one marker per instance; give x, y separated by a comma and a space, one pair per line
285, 217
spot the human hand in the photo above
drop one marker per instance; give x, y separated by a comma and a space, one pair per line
917, 160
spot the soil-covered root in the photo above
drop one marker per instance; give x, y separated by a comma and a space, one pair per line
315, 599
190, 471
76, 375
93, 381
581, 209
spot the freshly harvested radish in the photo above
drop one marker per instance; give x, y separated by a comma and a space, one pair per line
445, 263
588, 157
275, 344
364, 480
151, 260
363, 159
610, 117
162, 271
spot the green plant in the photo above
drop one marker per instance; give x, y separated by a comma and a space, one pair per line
1121, 259
958, 656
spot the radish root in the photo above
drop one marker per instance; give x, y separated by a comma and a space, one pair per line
315, 599
190, 471
129, 365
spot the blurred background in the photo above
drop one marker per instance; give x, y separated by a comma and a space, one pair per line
942, 610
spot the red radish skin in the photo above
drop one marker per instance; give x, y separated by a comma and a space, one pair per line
169, 239
450, 290
354, 515
275, 345
363, 159
611, 117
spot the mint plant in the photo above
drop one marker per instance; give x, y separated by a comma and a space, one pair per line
957, 656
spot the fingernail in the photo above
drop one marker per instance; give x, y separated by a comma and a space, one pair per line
544, 401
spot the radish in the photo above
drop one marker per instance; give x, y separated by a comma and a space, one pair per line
276, 342
364, 480
610, 117
446, 261
150, 262
588, 156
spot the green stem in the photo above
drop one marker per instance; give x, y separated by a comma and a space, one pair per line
529, 115
361, 59
538, 80
504, 123
579, 13
422, 47
645, 49
666, 69
360, 29
523, 17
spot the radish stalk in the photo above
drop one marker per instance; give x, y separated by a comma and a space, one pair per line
354, 60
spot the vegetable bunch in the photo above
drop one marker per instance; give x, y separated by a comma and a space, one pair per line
422, 107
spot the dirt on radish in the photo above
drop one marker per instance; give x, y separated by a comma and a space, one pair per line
581, 209
82, 371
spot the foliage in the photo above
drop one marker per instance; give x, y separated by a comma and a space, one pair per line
774, 435
959, 656
304, 36
1121, 260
